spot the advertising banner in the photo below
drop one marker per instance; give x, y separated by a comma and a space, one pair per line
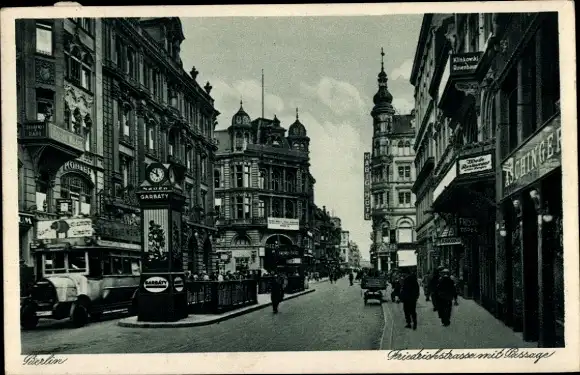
367, 185
283, 223
476, 164
64, 228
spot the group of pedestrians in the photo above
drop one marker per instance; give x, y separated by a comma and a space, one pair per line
442, 290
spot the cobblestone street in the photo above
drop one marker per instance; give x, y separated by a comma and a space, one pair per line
332, 318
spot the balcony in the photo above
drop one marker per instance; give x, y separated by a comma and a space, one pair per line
51, 145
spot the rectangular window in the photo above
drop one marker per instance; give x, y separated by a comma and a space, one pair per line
246, 176
261, 208
404, 198
130, 63
44, 103
239, 207
150, 137
86, 77
239, 176
44, 37
247, 207
125, 169
203, 201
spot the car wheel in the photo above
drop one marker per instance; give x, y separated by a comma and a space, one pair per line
79, 316
28, 318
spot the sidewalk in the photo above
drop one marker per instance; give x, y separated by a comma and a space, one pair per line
472, 327
207, 319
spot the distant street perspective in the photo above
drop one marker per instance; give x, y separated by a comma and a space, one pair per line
296, 184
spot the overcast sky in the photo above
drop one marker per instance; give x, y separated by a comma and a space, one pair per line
325, 66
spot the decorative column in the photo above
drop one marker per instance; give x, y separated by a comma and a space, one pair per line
162, 294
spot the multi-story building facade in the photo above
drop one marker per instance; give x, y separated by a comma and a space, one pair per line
496, 179
344, 247
327, 232
264, 194
354, 258
99, 99
430, 49
392, 176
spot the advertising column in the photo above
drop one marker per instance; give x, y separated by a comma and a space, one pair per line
162, 294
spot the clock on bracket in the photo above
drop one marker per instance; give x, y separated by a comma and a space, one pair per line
156, 173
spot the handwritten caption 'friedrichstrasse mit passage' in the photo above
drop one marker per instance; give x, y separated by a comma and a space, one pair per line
512, 353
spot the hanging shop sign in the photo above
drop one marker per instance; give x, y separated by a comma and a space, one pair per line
64, 228
476, 164
448, 241
178, 284
283, 223
536, 158
367, 186
26, 220
464, 63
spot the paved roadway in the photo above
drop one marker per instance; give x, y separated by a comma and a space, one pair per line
332, 318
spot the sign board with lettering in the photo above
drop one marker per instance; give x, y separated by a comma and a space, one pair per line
467, 226
64, 228
283, 223
476, 164
536, 158
367, 185
464, 63
25, 219
155, 284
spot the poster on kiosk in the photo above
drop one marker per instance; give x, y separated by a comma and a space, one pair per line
162, 294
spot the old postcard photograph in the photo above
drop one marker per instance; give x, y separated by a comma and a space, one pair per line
305, 188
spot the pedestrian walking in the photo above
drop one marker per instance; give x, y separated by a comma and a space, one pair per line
426, 281
446, 294
351, 278
409, 295
395, 287
277, 292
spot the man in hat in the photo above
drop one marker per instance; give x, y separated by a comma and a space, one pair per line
446, 293
409, 296
432, 287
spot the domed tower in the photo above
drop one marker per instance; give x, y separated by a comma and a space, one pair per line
381, 163
240, 129
297, 137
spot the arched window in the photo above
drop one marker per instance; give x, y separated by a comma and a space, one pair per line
276, 207
401, 148
79, 190
289, 210
241, 241
86, 72
407, 148
290, 182
262, 179
276, 180
405, 232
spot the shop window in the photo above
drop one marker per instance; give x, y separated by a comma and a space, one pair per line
44, 44
79, 190
77, 262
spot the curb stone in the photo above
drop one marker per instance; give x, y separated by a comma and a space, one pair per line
128, 322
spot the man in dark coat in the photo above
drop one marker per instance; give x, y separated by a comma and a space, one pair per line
351, 278
446, 293
277, 291
409, 296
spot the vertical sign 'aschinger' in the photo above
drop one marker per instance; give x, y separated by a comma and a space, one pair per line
367, 191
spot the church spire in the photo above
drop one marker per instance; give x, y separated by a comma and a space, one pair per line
382, 60
296, 113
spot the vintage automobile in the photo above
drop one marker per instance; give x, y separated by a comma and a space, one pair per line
82, 284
